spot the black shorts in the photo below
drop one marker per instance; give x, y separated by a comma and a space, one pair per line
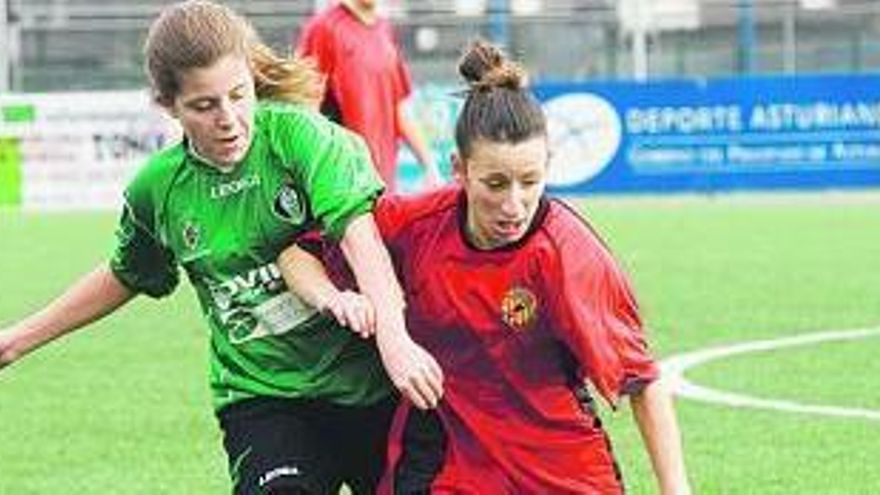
423, 449
277, 445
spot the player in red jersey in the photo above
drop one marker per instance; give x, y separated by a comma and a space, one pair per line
367, 83
521, 303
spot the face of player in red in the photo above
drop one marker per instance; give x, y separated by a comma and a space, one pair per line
215, 107
503, 183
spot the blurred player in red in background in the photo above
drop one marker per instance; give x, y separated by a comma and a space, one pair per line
367, 83
522, 304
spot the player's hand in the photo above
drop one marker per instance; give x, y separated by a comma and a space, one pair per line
412, 370
353, 310
8, 351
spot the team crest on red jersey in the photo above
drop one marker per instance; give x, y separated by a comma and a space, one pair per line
519, 308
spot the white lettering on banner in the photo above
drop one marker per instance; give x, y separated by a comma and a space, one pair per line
665, 156
812, 116
127, 146
752, 157
774, 155
684, 120
815, 116
855, 151
78, 150
770, 137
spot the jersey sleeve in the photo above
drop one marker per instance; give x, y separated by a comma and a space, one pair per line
596, 314
394, 213
331, 256
331, 163
390, 215
139, 260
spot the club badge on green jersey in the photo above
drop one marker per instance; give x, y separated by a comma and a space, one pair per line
192, 241
190, 235
287, 205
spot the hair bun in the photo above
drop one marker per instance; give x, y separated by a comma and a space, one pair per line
484, 66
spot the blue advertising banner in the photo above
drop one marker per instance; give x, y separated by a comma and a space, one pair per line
714, 135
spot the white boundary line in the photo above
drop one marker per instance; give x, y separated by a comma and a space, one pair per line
674, 368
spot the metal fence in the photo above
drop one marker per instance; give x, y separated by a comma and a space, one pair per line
61, 45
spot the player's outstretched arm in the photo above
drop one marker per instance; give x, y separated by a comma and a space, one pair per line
411, 368
654, 413
94, 295
306, 277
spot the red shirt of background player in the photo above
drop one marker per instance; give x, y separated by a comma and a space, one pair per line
367, 79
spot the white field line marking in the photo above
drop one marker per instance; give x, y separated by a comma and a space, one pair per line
674, 368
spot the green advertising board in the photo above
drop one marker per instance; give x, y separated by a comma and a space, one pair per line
10, 171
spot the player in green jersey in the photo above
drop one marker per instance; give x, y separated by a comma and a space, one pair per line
303, 402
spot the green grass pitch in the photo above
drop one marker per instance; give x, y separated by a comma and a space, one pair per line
123, 407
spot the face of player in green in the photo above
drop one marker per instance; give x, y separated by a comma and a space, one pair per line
503, 183
215, 107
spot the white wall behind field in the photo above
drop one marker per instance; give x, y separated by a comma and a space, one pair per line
74, 151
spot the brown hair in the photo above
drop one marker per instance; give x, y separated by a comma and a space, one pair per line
197, 33
498, 106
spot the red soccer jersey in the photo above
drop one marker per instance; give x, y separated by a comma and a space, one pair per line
516, 331
367, 79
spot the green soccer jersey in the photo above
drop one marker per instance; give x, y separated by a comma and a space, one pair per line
227, 229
